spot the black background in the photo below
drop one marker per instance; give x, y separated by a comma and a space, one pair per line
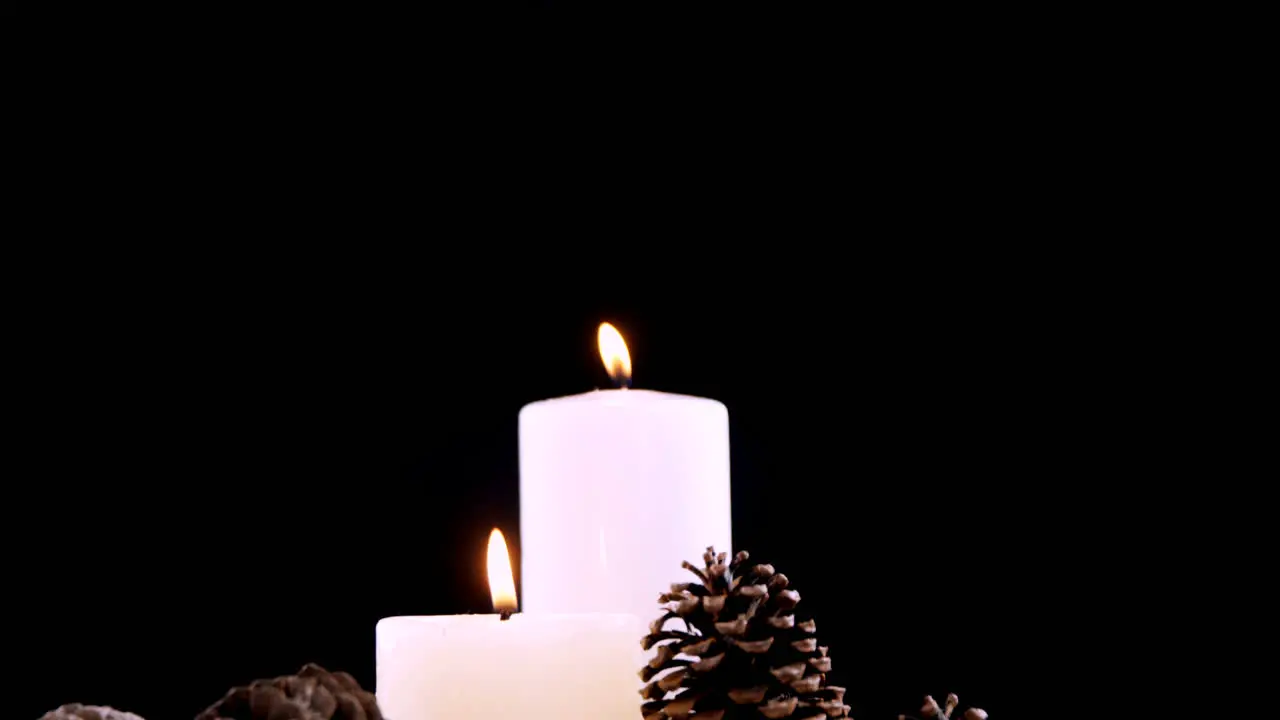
276, 335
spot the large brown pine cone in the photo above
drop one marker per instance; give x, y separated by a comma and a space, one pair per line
313, 694
76, 711
738, 652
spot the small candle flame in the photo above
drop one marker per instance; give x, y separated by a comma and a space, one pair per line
502, 585
613, 350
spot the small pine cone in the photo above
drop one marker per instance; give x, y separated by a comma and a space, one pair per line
739, 652
313, 694
76, 711
930, 709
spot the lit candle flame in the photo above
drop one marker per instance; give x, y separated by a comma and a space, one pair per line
502, 585
613, 350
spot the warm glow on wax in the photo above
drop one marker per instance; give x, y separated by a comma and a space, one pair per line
502, 585
613, 351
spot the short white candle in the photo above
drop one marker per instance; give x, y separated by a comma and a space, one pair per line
617, 488
534, 667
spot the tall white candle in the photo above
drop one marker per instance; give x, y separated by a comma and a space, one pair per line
546, 667
617, 488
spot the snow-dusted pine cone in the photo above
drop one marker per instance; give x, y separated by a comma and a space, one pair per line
739, 653
76, 711
313, 694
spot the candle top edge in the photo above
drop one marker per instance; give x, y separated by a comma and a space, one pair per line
620, 397
495, 618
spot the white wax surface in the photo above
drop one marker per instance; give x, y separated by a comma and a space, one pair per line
617, 487
546, 667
